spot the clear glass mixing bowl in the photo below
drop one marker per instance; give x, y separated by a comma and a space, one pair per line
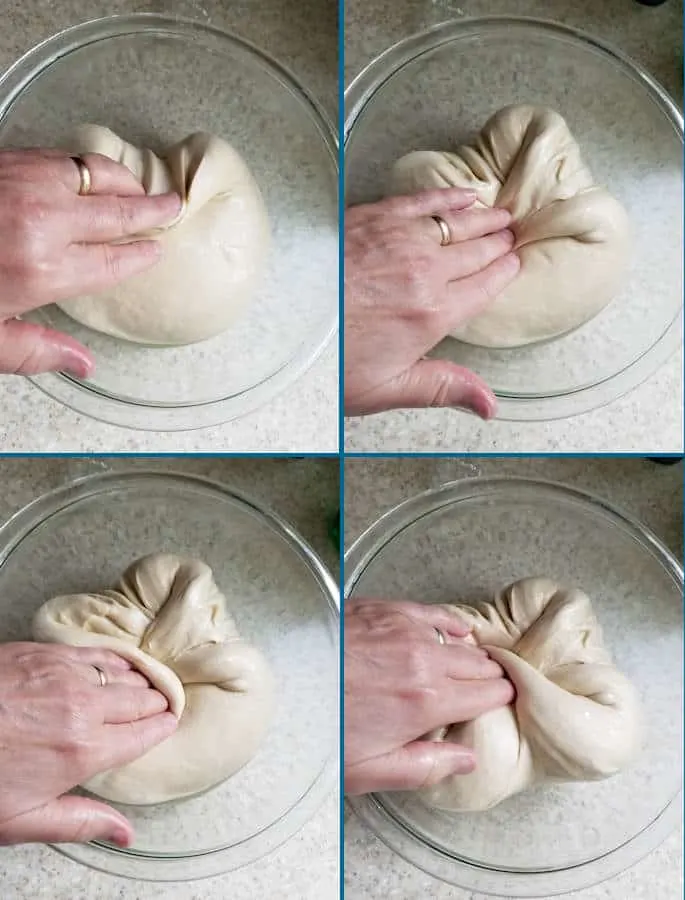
467, 539
83, 536
436, 89
154, 80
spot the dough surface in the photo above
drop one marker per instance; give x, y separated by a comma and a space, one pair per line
167, 617
572, 236
575, 716
213, 253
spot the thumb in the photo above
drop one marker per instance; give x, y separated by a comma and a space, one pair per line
413, 766
28, 349
69, 819
437, 382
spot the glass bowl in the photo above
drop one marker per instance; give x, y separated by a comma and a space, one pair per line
196, 78
83, 535
465, 540
436, 89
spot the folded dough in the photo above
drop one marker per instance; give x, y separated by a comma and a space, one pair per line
167, 617
213, 253
572, 236
575, 717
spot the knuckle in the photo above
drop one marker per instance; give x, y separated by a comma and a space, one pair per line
417, 663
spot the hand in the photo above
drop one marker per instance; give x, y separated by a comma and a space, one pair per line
404, 293
55, 244
400, 684
58, 728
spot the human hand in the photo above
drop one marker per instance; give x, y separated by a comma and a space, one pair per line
58, 727
401, 684
56, 244
404, 293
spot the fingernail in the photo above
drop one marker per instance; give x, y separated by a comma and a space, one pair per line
79, 367
120, 837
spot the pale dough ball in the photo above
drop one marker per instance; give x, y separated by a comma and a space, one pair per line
572, 236
575, 717
214, 253
167, 617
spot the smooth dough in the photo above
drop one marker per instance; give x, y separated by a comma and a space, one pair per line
572, 236
167, 617
575, 717
213, 253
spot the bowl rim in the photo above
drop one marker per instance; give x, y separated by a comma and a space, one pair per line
94, 401
373, 77
370, 808
204, 864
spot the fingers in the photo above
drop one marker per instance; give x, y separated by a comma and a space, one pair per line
471, 296
98, 267
127, 741
120, 703
106, 176
425, 203
103, 219
69, 819
470, 699
469, 257
439, 383
94, 656
29, 349
470, 224
469, 663
414, 766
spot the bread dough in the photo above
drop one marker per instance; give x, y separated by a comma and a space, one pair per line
213, 253
167, 617
572, 236
575, 717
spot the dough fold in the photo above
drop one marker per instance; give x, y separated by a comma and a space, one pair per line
572, 236
575, 717
168, 618
213, 254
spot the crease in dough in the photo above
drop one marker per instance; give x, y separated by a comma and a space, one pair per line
575, 716
213, 254
167, 617
572, 236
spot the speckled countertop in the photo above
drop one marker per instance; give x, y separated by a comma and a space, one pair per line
302, 34
651, 493
650, 417
305, 492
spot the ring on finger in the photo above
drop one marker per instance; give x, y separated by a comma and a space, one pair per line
86, 181
440, 635
102, 675
445, 233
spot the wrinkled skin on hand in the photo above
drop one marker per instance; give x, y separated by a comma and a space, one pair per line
401, 684
56, 244
58, 727
404, 293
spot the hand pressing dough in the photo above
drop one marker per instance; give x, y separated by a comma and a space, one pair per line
213, 253
167, 617
575, 717
572, 236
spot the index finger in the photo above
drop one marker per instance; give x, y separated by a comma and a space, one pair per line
99, 220
411, 206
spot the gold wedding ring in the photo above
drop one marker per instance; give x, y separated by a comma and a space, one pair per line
84, 174
440, 635
101, 675
445, 233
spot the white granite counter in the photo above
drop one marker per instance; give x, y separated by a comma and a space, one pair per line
649, 492
305, 492
650, 417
